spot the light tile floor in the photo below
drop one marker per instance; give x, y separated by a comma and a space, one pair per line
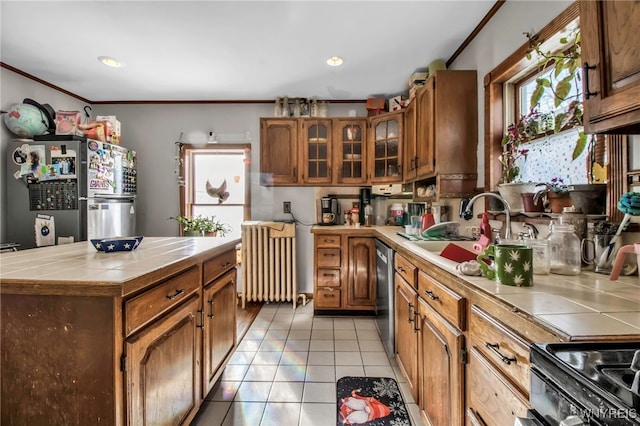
284, 370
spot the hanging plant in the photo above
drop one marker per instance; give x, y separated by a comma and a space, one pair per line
561, 82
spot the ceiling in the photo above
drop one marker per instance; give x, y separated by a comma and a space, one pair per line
232, 50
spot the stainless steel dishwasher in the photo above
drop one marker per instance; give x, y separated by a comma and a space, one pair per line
385, 296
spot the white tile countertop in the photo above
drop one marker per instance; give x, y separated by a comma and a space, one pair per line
588, 304
79, 267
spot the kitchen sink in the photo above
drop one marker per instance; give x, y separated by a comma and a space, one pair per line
438, 246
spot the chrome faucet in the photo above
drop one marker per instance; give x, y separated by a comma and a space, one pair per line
468, 213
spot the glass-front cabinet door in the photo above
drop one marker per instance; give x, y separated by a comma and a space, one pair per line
350, 153
386, 141
316, 151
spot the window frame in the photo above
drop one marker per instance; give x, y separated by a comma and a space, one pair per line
498, 106
186, 153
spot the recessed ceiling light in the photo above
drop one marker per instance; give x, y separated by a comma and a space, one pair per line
335, 61
110, 62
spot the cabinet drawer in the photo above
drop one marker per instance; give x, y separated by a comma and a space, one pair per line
442, 299
328, 278
492, 399
144, 308
215, 267
507, 351
328, 258
327, 298
328, 241
406, 270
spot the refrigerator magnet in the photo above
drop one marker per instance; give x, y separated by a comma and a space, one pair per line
19, 156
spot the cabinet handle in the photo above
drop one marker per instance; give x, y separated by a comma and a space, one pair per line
431, 295
409, 319
210, 301
328, 254
226, 264
411, 164
586, 68
401, 269
415, 162
176, 294
328, 275
495, 348
201, 312
415, 322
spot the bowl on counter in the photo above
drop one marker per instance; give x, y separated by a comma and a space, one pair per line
117, 244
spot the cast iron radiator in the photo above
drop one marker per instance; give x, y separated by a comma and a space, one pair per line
269, 263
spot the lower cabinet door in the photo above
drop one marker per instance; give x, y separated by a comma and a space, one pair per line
361, 273
406, 333
162, 373
220, 325
442, 379
493, 399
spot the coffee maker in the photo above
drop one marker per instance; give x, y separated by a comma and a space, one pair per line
329, 210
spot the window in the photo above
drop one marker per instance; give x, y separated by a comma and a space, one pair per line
551, 154
216, 183
547, 101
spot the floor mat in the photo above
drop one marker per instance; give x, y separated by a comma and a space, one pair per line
370, 401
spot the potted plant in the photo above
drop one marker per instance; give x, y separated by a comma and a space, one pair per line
518, 133
567, 63
556, 195
201, 225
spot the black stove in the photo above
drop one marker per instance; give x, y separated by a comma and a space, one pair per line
590, 383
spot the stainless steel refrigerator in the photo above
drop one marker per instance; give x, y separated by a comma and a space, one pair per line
88, 187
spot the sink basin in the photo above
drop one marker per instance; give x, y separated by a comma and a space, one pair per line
438, 246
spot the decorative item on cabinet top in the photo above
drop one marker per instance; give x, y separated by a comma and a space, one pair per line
300, 107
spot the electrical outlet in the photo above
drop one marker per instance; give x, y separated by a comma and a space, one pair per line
286, 206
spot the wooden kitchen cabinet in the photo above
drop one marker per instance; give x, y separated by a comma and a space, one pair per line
316, 142
610, 43
278, 151
350, 151
498, 371
344, 273
219, 326
441, 369
361, 272
406, 315
162, 372
446, 135
385, 139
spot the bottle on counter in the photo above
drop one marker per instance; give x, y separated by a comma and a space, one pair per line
368, 215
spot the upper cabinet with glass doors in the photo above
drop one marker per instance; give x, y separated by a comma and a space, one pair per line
611, 66
385, 165
350, 143
316, 150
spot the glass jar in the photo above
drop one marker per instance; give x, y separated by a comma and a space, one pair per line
564, 249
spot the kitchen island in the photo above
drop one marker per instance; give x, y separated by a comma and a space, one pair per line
115, 338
